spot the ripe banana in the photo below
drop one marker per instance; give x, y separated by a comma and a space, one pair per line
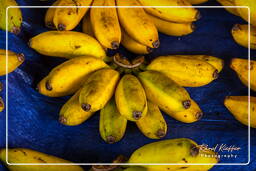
67, 44
242, 68
229, 3
131, 98
22, 155
171, 28
238, 106
14, 61
179, 15
98, 89
197, 1
182, 150
48, 19
137, 24
69, 18
243, 12
14, 16
87, 25
1, 104
241, 35
112, 123
71, 113
105, 24
68, 77
186, 72
153, 124
161, 90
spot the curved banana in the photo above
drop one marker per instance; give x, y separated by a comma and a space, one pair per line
194, 2
171, 28
69, 18
242, 68
179, 15
161, 90
238, 106
131, 98
105, 24
229, 3
22, 155
153, 125
87, 25
14, 16
112, 123
67, 44
241, 35
184, 71
98, 89
1, 104
14, 61
48, 19
137, 24
243, 12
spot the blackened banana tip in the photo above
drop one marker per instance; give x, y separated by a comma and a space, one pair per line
61, 27
198, 15
111, 139
50, 25
48, 86
215, 74
193, 27
194, 151
62, 120
156, 44
186, 104
115, 45
160, 133
21, 57
236, 27
149, 49
86, 107
137, 115
15, 30
199, 115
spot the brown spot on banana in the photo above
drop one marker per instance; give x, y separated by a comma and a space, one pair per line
86, 107
186, 104
48, 86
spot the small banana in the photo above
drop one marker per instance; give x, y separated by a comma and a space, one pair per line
69, 18
242, 68
131, 98
67, 44
87, 25
22, 155
238, 106
153, 124
14, 16
186, 72
14, 61
68, 77
243, 12
98, 89
112, 123
241, 35
171, 28
105, 24
1, 104
179, 15
137, 24
161, 90
48, 19
229, 3
194, 2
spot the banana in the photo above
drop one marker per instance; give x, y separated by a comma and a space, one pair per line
112, 123
136, 168
105, 24
131, 98
229, 3
67, 44
182, 150
98, 89
241, 35
171, 28
69, 18
71, 113
14, 16
48, 19
179, 15
161, 90
137, 24
243, 12
87, 25
68, 77
22, 155
184, 71
238, 106
1, 104
242, 68
14, 61
153, 124
194, 2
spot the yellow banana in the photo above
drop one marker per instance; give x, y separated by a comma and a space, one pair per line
87, 25
97, 90
14, 61
182, 150
137, 24
161, 90
197, 1
242, 68
105, 24
153, 124
22, 155
69, 18
241, 35
178, 15
112, 123
67, 44
1, 104
229, 3
238, 106
185, 71
171, 28
71, 113
69, 76
14, 16
136, 168
243, 12
48, 19
131, 98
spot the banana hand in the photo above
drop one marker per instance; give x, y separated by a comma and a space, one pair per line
243, 12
